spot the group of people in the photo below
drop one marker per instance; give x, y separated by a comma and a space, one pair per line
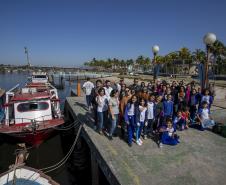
147, 110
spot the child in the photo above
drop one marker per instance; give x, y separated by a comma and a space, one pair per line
142, 119
193, 105
179, 121
148, 127
168, 107
207, 98
169, 136
130, 117
186, 116
158, 113
204, 117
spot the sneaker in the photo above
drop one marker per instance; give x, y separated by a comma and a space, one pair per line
138, 143
145, 137
110, 138
101, 132
130, 144
160, 145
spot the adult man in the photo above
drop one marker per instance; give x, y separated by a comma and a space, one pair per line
135, 86
87, 88
108, 88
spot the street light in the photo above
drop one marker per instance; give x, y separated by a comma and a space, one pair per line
155, 50
208, 39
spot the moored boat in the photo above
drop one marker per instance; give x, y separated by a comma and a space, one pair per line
32, 113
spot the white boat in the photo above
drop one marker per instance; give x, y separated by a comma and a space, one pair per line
32, 112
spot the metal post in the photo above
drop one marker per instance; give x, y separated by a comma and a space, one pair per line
206, 67
154, 72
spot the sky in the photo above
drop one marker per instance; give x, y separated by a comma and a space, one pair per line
71, 32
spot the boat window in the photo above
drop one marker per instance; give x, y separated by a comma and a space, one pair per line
25, 107
39, 76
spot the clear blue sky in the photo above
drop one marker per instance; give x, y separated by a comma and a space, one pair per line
68, 33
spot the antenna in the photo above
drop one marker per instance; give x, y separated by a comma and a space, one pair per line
26, 52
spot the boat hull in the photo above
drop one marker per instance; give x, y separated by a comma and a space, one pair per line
32, 137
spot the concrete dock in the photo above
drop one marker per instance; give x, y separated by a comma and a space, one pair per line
199, 159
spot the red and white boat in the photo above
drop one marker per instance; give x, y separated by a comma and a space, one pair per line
32, 113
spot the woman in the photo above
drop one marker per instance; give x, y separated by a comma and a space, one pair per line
102, 107
130, 116
114, 112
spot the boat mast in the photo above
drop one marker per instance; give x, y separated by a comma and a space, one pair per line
26, 52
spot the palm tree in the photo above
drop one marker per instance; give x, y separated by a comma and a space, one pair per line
185, 56
199, 55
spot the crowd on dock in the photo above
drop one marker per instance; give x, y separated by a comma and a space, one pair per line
154, 110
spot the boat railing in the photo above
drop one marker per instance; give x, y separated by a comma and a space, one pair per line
36, 122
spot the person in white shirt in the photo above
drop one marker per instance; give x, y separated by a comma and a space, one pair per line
87, 88
142, 119
108, 89
102, 109
148, 127
204, 117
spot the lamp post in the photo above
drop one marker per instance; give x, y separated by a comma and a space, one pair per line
155, 50
208, 39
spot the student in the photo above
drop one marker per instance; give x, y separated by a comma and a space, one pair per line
94, 94
193, 105
179, 121
144, 93
130, 116
114, 112
123, 104
169, 136
158, 113
148, 127
102, 107
188, 93
168, 107
142, 119
207, 98
87, 88
186, 116
204, 117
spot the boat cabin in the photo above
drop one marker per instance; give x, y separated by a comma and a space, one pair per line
39, 77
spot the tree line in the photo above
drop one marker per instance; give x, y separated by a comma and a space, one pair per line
184, 55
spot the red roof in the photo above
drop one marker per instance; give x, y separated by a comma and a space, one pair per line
30, 96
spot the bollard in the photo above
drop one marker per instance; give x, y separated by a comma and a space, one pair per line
78, 88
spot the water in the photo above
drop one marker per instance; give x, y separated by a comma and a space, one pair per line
54, 149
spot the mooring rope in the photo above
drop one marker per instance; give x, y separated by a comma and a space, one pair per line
61, 162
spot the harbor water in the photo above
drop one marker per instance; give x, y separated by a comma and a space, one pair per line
77, 169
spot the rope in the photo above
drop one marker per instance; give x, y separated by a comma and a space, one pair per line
74, 124
62, 161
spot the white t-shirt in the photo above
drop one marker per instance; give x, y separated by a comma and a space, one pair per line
108, 91
142, 113
170, 131
88, 87
102, 103
150, 110
205, 114
131, 110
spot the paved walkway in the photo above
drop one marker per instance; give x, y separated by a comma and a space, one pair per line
199, 159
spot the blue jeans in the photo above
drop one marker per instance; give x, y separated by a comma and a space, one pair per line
101, 117
138, 130
88, 100
149, 128
208, 123
114, 124
131, 128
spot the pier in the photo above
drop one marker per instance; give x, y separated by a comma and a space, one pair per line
200, 158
